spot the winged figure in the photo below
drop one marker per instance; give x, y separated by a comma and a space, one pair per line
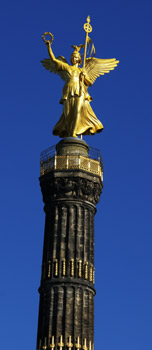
77, 117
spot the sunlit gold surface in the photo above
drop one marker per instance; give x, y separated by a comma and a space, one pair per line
64, 267
78, 345
69, 344
80, 268
77, 269
87, 26
52, 345
56, 267
61, 344
72, 268
50, 34
77, 117
93, 276
72, 162
91, 273
86, 271
85, 344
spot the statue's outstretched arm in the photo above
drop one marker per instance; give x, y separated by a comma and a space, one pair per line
55, 65
49, 46
51, 54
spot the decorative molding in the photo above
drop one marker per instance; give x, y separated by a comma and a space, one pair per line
77, 270
52, 344
56, 268
69, 343
93, 276
91, 273
72, 267
78, 345
71, 187
64, 267
87, 345
80, 268
61, 344
86, 270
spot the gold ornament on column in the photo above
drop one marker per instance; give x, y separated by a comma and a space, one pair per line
61, 344
52, 344
64, 267
69, 344
44, 347
56, 267
85, 344
86, 270
80, 268
91, 273
72, 267
78, 345
94, 276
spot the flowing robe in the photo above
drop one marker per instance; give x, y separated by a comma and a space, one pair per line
77, 117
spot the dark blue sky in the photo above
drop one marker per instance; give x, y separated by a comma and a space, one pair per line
29, 110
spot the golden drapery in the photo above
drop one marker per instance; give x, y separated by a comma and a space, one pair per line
77, 117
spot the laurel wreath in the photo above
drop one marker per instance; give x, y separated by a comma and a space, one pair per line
51, 35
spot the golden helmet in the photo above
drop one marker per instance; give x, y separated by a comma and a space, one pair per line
76, 53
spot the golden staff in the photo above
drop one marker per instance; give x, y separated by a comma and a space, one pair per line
88, 29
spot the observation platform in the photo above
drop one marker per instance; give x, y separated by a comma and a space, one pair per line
71, 154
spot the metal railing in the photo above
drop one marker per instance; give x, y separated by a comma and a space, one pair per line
50, 161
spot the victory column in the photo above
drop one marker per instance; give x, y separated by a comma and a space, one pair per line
71, 181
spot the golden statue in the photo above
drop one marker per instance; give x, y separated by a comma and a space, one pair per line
77, 117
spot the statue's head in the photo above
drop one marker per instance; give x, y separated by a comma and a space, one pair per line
76, 56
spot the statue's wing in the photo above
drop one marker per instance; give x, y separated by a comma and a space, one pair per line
58, 66
96, 66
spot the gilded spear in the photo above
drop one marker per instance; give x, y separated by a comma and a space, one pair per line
88, 29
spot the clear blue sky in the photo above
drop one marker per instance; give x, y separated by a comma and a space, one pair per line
29, 110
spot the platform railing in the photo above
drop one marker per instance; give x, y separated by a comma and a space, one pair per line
71, 162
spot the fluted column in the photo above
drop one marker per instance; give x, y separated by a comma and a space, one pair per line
67, 282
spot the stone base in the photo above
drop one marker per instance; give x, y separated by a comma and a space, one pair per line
72, 145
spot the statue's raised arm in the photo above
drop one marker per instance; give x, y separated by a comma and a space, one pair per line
55, 65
